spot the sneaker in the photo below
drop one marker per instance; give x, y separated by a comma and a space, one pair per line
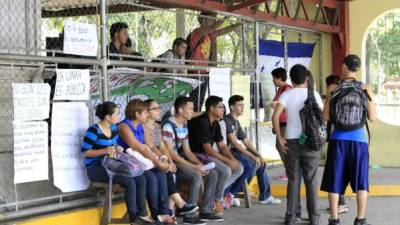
143, 221
188, 209
193, 220
164, 220
228, 200
283, 178
271, 201
219, 208
343, 209
361, 222
210, 217
235, 202
333, 221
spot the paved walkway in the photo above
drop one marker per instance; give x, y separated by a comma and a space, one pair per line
380, 211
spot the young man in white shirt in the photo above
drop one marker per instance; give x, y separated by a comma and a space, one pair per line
298, 157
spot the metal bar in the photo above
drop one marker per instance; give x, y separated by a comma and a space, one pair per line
285, 6
285, 44
321, 79
103, 39
278, 8
296, 14
304, 10
44, 59
47, 209
257, 95
162, 65
248, 14
319, 6
244, 4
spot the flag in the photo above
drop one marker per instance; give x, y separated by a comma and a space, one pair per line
271, 55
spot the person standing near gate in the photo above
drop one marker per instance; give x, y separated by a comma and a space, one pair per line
348, 106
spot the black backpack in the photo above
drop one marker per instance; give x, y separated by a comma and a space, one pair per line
348, 106
313, 125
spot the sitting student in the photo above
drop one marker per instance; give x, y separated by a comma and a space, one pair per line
132, 134
251, 160
99, 141
190, 168
122, 44
153, 138
204, 131
298, 156
174, 56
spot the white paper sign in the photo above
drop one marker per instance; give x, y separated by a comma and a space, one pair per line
220, 83
70, 121
30, 152
80, 38
72, 84
31, 101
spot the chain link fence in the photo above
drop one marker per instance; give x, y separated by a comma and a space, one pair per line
31, 49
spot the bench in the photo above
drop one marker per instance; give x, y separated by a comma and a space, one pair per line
106, 217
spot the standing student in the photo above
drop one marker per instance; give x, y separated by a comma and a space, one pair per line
348, 105
329, 80
98, 142
298, 157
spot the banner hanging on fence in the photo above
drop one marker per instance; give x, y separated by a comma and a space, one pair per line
72, 84
126, 84
272, 55
80, 38
31, 101
70, 121
220, 83
241, 86
30, 152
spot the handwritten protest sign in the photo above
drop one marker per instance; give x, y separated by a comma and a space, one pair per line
241, 86
220, 83
72, 84
30, 152
80, 38
70, 121
31, 101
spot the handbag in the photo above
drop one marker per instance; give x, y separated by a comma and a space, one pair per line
122, 164
146, 163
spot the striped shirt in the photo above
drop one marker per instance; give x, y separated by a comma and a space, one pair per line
168, 134
95, 139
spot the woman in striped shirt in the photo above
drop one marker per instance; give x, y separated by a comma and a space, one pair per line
100, 140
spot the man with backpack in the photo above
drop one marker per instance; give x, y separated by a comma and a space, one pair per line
298, 144
189, 167
348, 106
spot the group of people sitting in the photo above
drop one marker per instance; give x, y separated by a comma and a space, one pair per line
193, 148
199, 48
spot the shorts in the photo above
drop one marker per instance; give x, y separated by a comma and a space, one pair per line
347, 162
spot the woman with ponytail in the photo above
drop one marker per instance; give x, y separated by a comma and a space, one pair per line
100, 140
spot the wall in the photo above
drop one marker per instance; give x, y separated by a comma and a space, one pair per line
385, 138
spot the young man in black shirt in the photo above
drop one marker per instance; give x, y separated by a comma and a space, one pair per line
204, 131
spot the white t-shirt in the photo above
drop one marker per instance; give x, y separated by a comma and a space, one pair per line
293, 101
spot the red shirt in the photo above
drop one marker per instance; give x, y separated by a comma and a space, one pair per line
199, 51
282, 118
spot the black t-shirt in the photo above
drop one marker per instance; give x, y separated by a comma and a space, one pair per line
201, 131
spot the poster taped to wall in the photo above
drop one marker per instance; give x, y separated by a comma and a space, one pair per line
70, 121
30, 152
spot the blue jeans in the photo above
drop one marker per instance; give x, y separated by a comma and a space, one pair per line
250, 170
134, 189
157, 192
